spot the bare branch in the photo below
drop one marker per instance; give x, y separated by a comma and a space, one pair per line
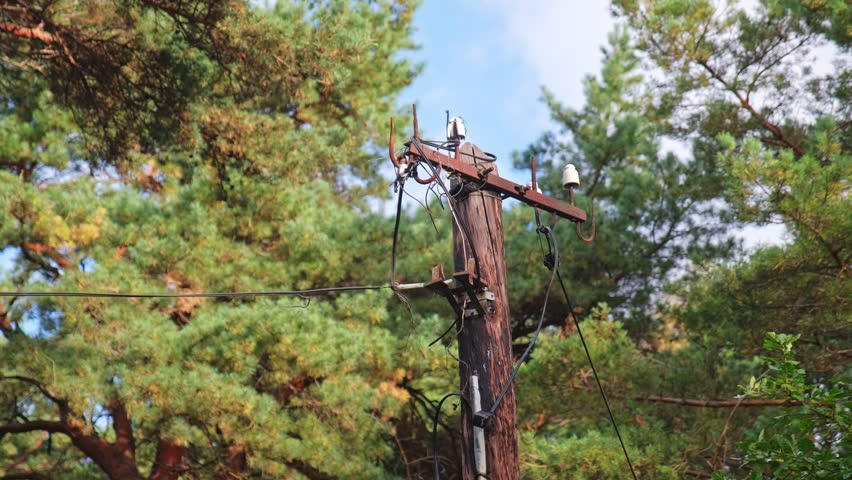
36, 384
773, 129
738, 403
30, 33
50, 426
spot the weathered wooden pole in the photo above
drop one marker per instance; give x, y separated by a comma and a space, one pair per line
485, 344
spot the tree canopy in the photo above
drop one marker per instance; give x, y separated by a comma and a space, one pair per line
189, 147
218, 146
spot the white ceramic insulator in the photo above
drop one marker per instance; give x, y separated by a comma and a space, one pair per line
456, 129
570, 177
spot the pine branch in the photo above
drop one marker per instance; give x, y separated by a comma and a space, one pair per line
735, 403
746, 104
50, 426
124, 441
24, 456
36, 384
30, 33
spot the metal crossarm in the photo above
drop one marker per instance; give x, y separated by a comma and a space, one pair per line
482, 175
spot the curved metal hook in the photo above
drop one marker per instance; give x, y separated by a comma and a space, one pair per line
427, 181
591, 236
391, 154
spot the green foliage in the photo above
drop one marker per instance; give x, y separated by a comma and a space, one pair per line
653, 210
196, 146
763, 140
559, 452
830, 18
803, 285
200, 146
811, 441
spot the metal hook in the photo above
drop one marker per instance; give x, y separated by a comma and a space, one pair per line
399, 160
391, 153
591, 236
427, 181
416, 158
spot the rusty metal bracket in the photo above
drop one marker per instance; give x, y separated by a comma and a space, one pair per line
442, 288
496, 183
469, 284
466, 293
416, 152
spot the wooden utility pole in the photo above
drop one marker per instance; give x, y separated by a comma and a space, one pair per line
479, 296
485, 344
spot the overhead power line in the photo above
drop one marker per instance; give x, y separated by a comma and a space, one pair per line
554, 254
594, 371
265, 293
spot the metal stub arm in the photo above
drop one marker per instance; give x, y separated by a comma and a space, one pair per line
476, 291
466, 292
442, 287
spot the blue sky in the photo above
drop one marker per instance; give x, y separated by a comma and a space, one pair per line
486, 61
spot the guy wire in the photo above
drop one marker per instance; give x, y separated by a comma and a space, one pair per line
551, 240
594, 370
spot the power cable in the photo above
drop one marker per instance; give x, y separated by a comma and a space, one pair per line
425, 207
435, 418
441, 336
268, 293
551, 241
264, 293
451, 201
401, 184
450, 146
594, 370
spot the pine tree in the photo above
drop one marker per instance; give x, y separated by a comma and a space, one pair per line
766, 141
192, 147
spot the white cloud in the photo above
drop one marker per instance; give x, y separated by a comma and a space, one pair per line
558, 40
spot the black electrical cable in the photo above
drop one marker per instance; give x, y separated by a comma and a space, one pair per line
441, 336
450, 199
428, 210
450, 146
594, 370
551, 241
270, 293
435, 428
396, 233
